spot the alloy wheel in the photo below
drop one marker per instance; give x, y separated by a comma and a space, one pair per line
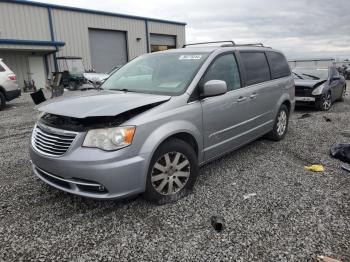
282, 122
327, 102
170, 173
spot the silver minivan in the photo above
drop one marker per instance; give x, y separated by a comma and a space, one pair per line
160, 117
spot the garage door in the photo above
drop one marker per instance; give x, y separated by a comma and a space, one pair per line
108, 49
162, 42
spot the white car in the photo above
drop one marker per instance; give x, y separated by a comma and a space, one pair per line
9, 89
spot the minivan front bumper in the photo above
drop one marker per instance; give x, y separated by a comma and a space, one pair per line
110, 178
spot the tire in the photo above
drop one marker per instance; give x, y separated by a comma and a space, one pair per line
343, 94
324, 102
280, 127
2, 101
165, 183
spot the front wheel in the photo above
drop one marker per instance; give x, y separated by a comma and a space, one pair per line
172, 172
343, 94
324, 102
280, 126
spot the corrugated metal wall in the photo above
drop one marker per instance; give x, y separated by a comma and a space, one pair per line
72, 28
168, 29
24, 22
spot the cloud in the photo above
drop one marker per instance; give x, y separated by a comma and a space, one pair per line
311, 28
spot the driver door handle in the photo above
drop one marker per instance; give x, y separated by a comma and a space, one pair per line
241, 99
254, 95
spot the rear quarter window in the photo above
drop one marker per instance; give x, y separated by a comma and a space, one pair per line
256, 67
2, 69
278, 64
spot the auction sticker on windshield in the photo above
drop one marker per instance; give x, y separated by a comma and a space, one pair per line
190, 57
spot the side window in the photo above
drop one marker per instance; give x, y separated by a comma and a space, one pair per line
2, 69
256, 67
278, 64
224, 68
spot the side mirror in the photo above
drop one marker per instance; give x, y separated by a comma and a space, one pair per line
213, 88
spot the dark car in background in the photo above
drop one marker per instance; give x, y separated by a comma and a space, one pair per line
318, 85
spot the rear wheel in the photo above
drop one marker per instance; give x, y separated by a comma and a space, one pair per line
324, 102
280, 126
2, 101
172, 172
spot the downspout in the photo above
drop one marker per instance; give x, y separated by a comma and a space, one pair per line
52, 38
147, 35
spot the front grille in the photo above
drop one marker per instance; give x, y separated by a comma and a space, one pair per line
51, 143
303, 91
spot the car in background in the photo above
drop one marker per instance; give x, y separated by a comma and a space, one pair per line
161, 116
320, 86
99, 78
9, 88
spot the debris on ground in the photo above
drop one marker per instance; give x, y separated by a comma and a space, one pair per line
306, 115
218, 223
341, 152
327, 119
346, 167
249, 195
327, 259
315, 168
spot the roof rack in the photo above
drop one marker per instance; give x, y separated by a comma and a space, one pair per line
253, 44
229, 43
213, 42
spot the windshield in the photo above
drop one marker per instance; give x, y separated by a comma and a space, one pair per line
157, 73
75, 66
310, 73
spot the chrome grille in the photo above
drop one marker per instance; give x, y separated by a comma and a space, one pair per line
53, 143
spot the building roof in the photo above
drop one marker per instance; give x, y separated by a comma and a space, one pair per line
83, 10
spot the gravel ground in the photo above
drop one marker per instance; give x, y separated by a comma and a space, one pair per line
295, 214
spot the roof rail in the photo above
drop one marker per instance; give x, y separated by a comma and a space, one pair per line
213, 42
253, 44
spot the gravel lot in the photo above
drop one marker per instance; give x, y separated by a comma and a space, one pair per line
295, 214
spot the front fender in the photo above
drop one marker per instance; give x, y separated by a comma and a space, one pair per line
163, 132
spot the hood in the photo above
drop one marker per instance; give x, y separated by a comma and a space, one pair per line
308, 83
98, 103
95, 77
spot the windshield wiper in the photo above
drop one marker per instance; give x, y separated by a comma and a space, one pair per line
314, 77
91, 88
123, 89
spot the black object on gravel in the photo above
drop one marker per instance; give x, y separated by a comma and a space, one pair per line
217, 223
306, 115
341, 152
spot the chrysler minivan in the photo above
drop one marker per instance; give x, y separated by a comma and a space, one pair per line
160, 117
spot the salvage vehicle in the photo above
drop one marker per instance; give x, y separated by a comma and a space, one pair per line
159, 118
320, 86
9, 88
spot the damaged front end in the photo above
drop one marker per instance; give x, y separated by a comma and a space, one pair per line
84, 124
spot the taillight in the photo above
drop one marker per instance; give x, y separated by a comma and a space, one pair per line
13, 77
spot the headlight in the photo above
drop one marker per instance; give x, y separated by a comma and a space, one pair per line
318, 90
110, 138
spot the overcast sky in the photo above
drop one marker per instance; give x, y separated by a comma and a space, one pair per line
300, 28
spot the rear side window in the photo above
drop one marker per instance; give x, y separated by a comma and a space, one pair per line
2, 69
256, 67
224, 68
278, 64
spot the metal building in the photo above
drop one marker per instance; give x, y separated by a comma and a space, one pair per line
33, 34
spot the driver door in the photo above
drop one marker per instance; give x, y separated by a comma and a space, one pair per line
224, 115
